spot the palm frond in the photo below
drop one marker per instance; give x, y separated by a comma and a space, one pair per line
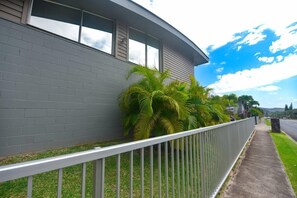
144, 126
192, 122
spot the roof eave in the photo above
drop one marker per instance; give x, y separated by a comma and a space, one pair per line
199, 57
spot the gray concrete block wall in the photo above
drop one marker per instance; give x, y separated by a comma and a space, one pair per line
55, 92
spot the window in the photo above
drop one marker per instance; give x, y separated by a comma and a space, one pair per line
56, 19
143, 50
74, 24
152, 53
97, 32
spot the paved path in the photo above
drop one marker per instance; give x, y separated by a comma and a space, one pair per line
290, 127
261, 173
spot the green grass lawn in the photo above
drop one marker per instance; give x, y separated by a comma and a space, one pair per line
45, 184
287, 150
267, 122
56, 152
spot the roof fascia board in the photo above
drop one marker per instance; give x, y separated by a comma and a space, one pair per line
134, 7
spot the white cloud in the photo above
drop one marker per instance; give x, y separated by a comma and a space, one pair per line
257, 77
219, 70
258, 53
266, 59
269, 88
288, 38
214, 22
255, 36
279, 58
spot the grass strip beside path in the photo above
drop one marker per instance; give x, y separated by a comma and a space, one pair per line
267, 122
287, 150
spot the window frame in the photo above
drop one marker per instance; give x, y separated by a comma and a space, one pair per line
147, 37
113, 33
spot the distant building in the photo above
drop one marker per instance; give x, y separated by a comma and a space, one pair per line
241, 110
64, 63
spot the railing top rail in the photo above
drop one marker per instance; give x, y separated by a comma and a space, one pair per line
24, 169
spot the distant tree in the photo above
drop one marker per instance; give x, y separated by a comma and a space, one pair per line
253, 103
244, 101
286, 107
231, 99
255, 111
248, 102
291, 107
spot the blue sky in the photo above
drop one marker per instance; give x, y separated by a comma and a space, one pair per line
252, 45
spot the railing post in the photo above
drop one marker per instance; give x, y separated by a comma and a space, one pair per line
98, 178
29, 187
256, 120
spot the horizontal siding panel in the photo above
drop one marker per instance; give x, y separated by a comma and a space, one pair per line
9, 17
122, 31
121, 48
11, 9
122, 54
180, 66
12, 5
17, 2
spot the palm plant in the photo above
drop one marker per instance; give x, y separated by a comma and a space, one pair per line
151, 107
198, 97
205, 109
217, 108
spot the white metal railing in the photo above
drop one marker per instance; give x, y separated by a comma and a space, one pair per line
196, 163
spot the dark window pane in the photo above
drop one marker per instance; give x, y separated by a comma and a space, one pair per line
152, 42
97, 32
57, 19
95, 22
137, 36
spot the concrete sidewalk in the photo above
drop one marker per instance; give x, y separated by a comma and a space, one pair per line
261, 173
